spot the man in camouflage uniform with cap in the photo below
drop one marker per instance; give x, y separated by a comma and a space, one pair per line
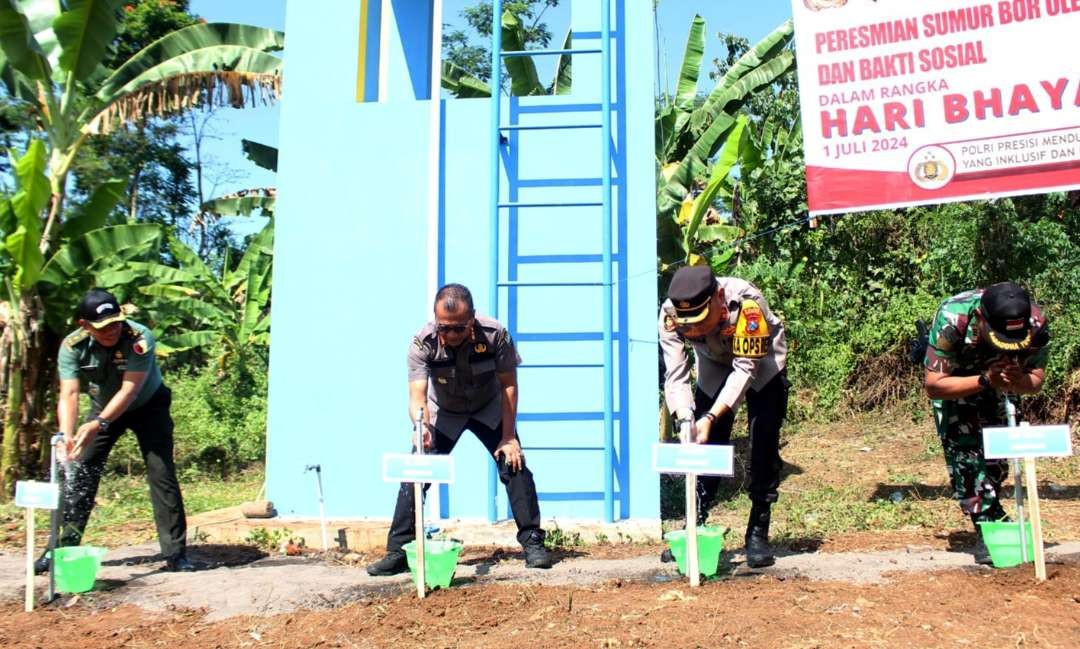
983, 344
111, 359
463, 373
741, 353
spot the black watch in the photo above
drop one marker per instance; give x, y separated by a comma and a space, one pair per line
103, 422
984, 381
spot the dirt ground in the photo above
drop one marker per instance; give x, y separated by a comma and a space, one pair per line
946, 608
845, 577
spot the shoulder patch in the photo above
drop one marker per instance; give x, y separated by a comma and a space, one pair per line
75, 338
140, 347
669, 323
751, 338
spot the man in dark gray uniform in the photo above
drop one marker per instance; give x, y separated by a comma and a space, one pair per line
741, 353
463, 373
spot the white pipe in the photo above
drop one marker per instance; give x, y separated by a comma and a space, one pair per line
434, 177
418, 512
384, 50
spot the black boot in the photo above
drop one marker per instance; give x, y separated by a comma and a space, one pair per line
536, 555
393, 563
758, 552
42, 564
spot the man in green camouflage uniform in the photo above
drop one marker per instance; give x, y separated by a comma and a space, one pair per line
983, 344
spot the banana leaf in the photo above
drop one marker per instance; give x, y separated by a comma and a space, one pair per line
109, 243
686, 91
524, 80
262, 155
85, 30
21, 49
95, 213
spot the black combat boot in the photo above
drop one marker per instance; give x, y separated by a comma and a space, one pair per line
179, 563
393, 563
42, 564
536, 555
758, 552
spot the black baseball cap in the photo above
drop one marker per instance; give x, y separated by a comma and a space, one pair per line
99, 308
1007, 310
690, 291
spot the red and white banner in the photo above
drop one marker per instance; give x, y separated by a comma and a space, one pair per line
906, 102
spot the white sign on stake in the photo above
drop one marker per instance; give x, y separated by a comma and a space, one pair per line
39, 495
1002, 442
409, 467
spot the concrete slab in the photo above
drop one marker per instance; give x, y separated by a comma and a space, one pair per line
230, 526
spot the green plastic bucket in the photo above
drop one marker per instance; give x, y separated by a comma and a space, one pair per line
710, 541
1003, 541
76, 567
440, 561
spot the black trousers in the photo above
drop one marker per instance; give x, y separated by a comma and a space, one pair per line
765, 410
153, 428
520, 488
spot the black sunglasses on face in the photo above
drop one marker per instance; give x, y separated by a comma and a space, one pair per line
451, 328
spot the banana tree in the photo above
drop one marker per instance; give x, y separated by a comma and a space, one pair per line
51, 58
524, 79
53, 283
191, 306
259, 201
691, 131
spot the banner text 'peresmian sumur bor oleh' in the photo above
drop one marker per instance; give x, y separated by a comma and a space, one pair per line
906, 102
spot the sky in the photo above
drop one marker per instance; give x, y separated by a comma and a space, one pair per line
753, 20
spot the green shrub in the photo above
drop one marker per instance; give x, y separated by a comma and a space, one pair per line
850, 290
220, 417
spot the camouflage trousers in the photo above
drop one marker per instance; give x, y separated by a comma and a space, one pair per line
976, 481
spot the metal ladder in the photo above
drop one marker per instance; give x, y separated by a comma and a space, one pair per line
504, 141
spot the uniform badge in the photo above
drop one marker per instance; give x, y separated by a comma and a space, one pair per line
669, 323
751, 337
479, 348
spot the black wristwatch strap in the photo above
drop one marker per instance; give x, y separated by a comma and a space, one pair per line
984, 381
103, 422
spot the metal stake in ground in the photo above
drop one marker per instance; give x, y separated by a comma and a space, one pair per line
691, 514
418, 507
1028, 442
317, 468
33, 495
54, 515
1018, 484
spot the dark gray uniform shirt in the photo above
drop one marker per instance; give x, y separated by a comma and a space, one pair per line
717, 366
462, 381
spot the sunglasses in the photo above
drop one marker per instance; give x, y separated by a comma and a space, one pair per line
451, 328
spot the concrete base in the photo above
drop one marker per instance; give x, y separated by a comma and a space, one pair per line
230, 526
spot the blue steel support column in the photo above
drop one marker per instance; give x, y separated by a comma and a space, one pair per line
496, 137
609, 387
